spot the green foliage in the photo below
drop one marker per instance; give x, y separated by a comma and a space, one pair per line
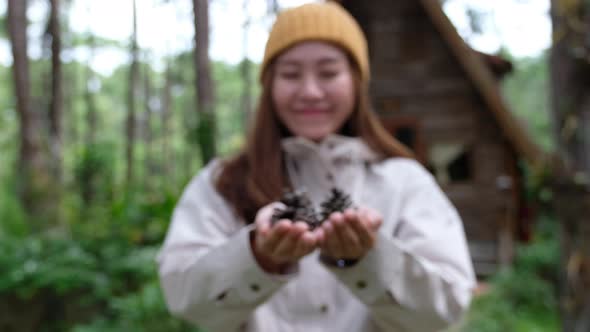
61, 265
93, 172
84, 39
541, 257
143, 221
206, 136
3, 25
12, 214
536, 182
60, 272
8, 117
527, 91
496, 313
229, 108
34, 263
133, 215
524, 296
144, 311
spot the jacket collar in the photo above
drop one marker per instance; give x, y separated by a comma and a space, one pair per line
333, 146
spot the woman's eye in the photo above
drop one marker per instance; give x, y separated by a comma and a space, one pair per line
288, 75
326, 74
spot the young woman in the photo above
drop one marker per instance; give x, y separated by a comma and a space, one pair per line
397, 261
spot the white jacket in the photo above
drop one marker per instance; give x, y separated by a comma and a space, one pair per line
418, 277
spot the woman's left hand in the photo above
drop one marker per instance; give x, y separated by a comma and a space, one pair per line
350, 235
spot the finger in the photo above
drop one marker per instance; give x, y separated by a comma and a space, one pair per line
262, 224
376, 219
305, 244
336, 240
356, 233
347, 234
276, 233
362, 228
371, 218
264, 216
330, 243
319, 235
285, 249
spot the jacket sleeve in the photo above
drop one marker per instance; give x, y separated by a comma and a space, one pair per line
208, 273
420, 278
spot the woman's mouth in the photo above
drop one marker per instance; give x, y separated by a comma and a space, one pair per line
311, 111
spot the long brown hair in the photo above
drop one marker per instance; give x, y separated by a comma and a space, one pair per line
256, 176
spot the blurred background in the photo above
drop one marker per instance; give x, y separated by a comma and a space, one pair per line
108, 108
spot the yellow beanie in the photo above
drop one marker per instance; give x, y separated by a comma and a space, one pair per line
318, 21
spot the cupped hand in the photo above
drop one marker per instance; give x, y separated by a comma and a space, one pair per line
350, 235
280, 245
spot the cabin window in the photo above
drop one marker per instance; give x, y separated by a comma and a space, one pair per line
406, 135
460, 168
407, 131
450, 162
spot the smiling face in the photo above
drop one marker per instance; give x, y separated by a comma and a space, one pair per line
313, 89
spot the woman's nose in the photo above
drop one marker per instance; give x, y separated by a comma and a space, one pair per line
311, 88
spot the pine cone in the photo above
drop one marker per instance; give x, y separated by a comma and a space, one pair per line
337, 202
298, 208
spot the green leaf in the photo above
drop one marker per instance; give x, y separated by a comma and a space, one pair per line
3, 27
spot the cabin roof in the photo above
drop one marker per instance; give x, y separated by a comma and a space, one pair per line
499, 66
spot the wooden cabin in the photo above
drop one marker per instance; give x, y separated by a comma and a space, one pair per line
442, 99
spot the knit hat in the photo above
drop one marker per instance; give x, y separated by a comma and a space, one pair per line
318, 21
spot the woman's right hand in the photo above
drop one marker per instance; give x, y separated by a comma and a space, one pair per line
277, 247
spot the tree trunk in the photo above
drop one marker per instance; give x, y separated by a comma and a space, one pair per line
88, 188
56, 102
204, 83
570, 79
34, 176
131, 103
166, 157
91, 113
572, 205
245, 71
570, 70
148, 133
